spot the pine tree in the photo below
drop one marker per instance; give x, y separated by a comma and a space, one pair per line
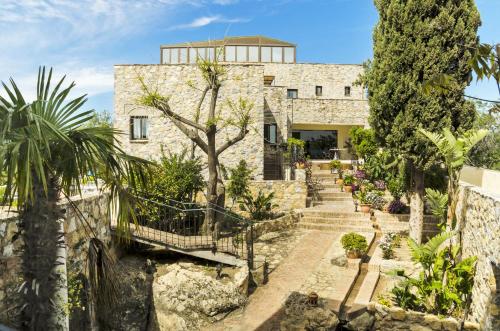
414, 41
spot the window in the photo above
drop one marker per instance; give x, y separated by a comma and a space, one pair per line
278, 54
270, 133
265, 54
292, 94
289, 55
241, 53
319, 91
192, 55
201, 53
166, 55
253, 54
183, 55
210, 54
347, 91
139, 127
230, 53
268, 80
174, 55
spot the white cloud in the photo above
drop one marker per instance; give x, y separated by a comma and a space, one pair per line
206, 20
225, 2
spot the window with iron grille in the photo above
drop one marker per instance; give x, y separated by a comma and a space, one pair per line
139, 128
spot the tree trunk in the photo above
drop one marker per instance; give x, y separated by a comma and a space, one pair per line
417, 205
42, 271
208, 227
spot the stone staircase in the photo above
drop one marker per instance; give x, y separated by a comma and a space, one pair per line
333, 210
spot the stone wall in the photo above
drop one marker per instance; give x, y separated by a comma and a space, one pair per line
178, 82
334, 111
397, 319
288, 221
306, 76
478, 214
94, 210
288, 194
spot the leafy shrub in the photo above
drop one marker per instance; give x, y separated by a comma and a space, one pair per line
363, 142
348, 179
396, 207
354, 242
438, 204
396, 187
239, 179
335, 164
445, 286
259, 208
361, 196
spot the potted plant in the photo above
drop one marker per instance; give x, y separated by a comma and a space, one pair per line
354, 244
347, 182
364, 203
335, 166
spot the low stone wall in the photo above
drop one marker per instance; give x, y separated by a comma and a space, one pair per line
288, 194
94, 210
284, 222
397, 319
478, 215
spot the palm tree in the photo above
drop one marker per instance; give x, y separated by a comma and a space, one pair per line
454, 151
45, 151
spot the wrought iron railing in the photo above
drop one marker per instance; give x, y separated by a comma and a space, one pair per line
184, 225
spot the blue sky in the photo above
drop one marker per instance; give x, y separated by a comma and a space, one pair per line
84, 38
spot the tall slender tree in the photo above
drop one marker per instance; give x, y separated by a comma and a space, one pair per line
45, 151
414, 41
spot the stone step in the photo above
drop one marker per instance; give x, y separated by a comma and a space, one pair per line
324, 176
405, 225
335, 214
330, 198
337, 221
334, 228
329, 194
343, 204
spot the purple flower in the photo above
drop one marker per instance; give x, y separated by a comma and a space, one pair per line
380, 185
396, 207
354, 187
360, 174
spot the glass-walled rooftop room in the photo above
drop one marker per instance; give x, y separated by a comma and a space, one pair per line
237, 49
276, 54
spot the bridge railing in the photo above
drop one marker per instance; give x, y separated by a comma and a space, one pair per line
183, 225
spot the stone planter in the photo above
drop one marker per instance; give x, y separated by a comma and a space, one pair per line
365, 208
347, 188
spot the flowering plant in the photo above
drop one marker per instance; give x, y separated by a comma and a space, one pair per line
396, 207
360, 174
379, 185
376, 200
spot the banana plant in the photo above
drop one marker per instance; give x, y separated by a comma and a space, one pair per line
454, 151
438, 203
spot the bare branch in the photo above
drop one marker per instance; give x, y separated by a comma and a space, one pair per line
243, 132
164, 107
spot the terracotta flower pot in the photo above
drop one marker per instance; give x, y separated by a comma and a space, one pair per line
347, 188
354, 254
365, 208
339, 181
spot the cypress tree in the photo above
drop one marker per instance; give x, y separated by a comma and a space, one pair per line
415, 41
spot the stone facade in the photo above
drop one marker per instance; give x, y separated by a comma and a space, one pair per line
94, 210
478, 214
332, 109
181, 84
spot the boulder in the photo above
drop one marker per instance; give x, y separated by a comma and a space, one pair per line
194, 296
299, 315
339, 260
363, 322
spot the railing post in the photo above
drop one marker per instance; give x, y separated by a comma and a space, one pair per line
250, 248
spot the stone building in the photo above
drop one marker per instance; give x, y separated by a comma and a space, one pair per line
315, 102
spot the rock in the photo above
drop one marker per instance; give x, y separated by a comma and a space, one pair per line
170, 322
188, 292
299, 315
363, 322
416, 327
269, 236
398, 314
433, 321
339, 260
